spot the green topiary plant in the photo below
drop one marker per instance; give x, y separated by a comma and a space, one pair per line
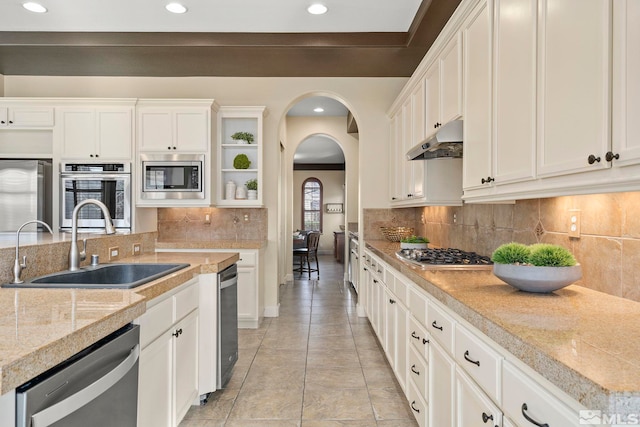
241, 161
547, 255
511, 253
252, 184
244, 136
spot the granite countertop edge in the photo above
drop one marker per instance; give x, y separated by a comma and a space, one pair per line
572, 381
48, 353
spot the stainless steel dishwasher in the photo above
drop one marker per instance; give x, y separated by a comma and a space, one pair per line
96, 387
227, 323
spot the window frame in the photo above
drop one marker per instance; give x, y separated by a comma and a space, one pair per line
303, 199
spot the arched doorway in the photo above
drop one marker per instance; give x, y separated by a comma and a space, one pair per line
314, 138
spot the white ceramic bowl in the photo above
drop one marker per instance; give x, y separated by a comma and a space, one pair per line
413, 245
537, 279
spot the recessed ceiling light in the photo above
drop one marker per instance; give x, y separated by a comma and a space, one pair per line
317, 9
176, 8
318, 109
34, 7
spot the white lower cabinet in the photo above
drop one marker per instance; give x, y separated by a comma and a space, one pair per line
418, 405
8, 409
441, 387
529, 403
168, 367
250, 305
473, 407
455, 375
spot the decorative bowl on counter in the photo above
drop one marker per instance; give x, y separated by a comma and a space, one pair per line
532, 278
395, 234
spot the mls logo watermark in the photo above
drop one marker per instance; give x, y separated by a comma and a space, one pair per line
599, 418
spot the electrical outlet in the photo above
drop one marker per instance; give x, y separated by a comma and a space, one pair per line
114, 253
246, 217
574, 223
136, 249
207, 219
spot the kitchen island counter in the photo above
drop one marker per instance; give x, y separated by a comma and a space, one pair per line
40, 328
585, 342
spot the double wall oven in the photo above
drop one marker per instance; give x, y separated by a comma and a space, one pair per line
109, 183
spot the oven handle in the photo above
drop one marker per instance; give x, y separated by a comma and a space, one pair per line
76, 401
101, 176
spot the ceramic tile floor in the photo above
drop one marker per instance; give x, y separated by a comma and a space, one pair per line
318, 364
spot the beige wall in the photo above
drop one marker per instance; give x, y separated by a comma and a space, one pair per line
367, 98
333, 192
608, 249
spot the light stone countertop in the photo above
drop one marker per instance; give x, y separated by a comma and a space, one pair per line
211, 244
585, 342
40, 328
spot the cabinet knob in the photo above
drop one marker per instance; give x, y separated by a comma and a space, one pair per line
90, 155
174, 148
486, 417
610, 156
592, 159
392, 301
168, 148
10, 122
97, 155
177, 333
3, 122
409, 195
487, 180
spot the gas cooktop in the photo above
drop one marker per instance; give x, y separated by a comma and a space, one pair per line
445, 258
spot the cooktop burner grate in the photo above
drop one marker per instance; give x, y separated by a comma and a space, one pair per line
444, 257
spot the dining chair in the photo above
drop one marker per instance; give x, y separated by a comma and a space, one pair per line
307, 254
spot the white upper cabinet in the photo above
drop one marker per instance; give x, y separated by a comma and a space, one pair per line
573, 88
443, 82
476, 33
25, 115
626, 84
101, 131
514, 99
167, 125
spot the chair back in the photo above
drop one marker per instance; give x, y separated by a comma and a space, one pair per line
312, 241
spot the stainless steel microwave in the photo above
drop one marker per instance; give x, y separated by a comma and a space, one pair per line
172, 176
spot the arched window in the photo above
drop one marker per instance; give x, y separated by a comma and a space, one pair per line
312, 204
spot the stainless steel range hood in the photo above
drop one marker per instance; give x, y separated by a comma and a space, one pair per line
447, 142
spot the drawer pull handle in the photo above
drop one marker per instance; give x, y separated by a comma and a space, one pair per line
375, 281
177, 333
413, 335
392, 301
414, 371
435, 325
413, 407
486, 417
425, 341
365, 268
466, 357
531, 420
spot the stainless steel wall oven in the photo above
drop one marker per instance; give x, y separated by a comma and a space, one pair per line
109, 183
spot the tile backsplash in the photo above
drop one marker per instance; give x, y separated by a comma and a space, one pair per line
224, 224
608, 248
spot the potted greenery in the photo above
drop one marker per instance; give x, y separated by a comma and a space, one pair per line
414, 242
540, 267
241, 161
242, 137
252, 189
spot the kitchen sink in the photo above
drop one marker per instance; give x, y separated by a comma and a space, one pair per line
105, 276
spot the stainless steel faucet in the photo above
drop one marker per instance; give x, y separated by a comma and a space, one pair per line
17, 265
75, 255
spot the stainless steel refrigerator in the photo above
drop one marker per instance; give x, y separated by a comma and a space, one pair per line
25, 192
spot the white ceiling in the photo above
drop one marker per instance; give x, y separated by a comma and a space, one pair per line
253, 16
318, 148
331, 107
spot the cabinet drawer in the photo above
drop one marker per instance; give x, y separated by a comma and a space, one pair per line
523, 397
418, 337
155, 321
440, 327
418, 405
418, 372
478, 360
418, 305
186, 300
247, 259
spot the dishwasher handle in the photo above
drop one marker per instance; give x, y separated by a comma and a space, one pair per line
76, 401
